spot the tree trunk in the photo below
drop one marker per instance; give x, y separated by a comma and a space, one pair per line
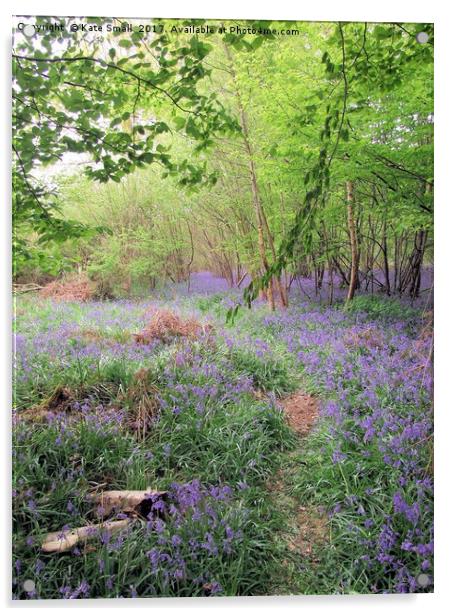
353, 241
385, 259
260, 215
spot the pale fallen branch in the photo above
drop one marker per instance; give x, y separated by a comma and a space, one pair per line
26, 288
126, 501
63, 541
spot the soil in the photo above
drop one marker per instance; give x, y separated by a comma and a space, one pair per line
311, 531
302, 411
310, 527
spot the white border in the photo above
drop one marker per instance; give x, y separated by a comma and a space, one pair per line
324, 10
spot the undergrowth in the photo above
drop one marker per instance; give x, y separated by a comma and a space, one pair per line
199, 418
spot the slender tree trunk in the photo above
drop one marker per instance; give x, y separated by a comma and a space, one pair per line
260, 215
192, 256
396, 262
353, 241
385, 259
281, 290
263, 256
331, 282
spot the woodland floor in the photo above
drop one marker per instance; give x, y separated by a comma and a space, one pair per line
287, 453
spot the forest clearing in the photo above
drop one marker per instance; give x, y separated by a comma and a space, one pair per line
223, 328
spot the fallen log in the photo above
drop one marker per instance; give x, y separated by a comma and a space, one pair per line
26, 288
126, 501
63, 541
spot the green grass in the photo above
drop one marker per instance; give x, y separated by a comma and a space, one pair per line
266, 372
381, 308
234, 440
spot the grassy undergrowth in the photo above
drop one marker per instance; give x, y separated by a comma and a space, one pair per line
199, 419
206, 439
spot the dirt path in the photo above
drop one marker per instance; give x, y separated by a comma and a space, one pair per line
302, 411
308, 527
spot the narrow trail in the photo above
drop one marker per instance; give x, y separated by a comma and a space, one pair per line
308, 527
302, 411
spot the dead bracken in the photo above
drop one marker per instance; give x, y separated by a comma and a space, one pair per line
166, 326
142, 400
369, 338
70, 289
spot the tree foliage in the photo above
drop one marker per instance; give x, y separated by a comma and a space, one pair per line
241, 147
